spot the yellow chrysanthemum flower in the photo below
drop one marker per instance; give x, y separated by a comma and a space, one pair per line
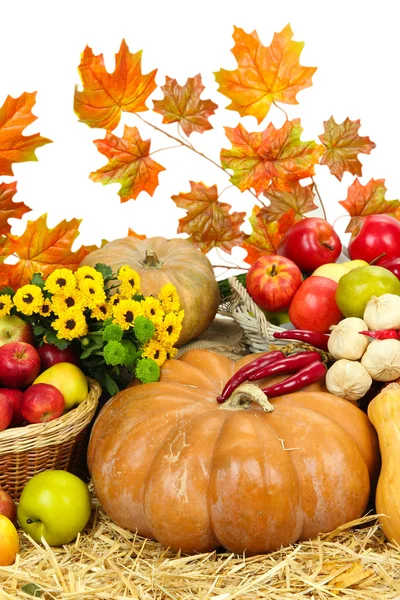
169, 298
6, 305
130, 281
125, 312
70, 325
89, 273
171, 351
153, 310
60, 281
168, 330
45, 309
115, 300
28, 299
62, 302
93, 293
101, 312
155, 350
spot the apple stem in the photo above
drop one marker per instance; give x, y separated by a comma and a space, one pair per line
273, 271
328, 246
30, 521
377, 258
319, 198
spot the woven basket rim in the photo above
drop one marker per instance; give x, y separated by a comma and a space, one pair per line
74, 419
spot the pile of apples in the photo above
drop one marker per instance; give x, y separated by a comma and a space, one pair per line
304, 285
37, 384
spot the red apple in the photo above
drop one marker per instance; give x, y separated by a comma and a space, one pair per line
310, 243
14, 329
7, 506
19, 364
272, 282
42, 402
6, 412
51, 355
15, 397
376, 235
314, 306
392, 265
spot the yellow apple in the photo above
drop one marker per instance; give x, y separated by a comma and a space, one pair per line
9, 542
67, 378
335, 271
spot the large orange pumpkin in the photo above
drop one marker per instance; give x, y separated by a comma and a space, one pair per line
169, 461
159, 261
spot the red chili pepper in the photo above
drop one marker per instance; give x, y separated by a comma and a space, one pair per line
243, 374
385, 334
286, 365
319, 340
309, 374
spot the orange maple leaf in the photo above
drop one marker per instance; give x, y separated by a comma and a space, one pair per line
129, 164
208, 221
40, 249
265, 75
8, 208
293, 196
15, 115
259, 157
133, 234
105, 95
343, 144
182, 104
266, 235
369, 199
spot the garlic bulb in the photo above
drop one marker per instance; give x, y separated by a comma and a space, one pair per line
348, 379
383, 312
345, 341
382, 360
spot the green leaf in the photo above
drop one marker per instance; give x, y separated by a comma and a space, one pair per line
38, 280
89, 350
6, 291
51, 338
110, 384
105, 270
32, 589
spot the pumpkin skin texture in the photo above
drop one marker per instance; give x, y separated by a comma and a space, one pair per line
167, 461
384, 413
176, 261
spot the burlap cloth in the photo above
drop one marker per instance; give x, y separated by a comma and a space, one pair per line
224, 336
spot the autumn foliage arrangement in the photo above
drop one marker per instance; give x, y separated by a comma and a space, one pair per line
118, 333
274, 165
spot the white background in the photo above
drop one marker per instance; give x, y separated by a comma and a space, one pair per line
354, 44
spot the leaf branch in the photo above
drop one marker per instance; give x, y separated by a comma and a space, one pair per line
319, 198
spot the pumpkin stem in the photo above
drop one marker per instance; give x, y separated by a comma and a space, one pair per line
151, 260
244, 395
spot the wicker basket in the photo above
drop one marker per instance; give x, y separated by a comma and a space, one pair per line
58, 444
258, 332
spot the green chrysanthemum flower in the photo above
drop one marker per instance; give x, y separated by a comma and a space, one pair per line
144, 329
112, 332
114, 353
147, 370
130, 352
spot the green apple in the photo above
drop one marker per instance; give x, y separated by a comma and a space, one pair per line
56, 505
67, 378
358, 286
277, 318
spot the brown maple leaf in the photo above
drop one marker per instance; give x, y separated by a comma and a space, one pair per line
182, 104
8, 208
138, 236
343, 144
266, 235
40, 249
15, 115
273, 154
129, 164
105, 95
265, 75
208, 221
369, 199
293, 196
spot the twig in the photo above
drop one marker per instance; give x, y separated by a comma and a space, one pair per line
282, 109
319, 198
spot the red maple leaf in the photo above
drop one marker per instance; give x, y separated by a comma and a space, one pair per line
293, 196
182, 104
266, 235
129, 164
208, 221
8, 208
